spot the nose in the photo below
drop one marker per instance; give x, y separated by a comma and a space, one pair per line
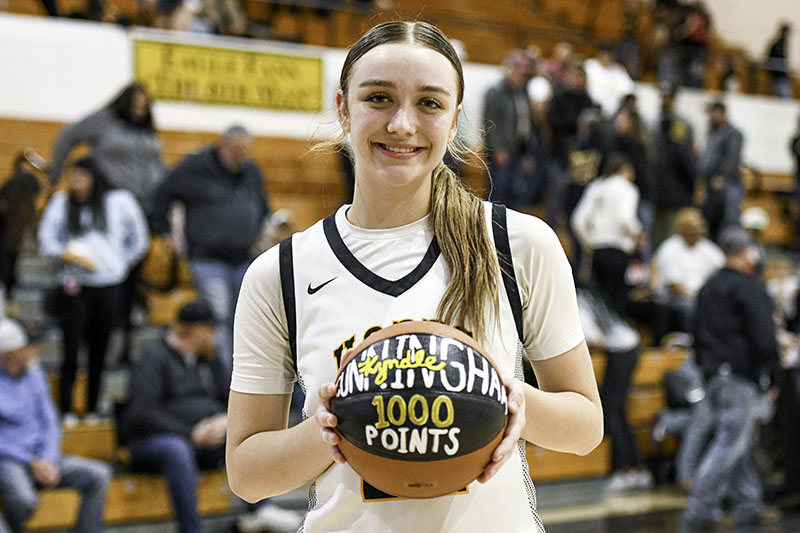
402, 121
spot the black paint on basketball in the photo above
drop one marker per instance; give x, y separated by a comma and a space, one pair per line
420, 396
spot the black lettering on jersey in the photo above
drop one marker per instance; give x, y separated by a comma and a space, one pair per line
373, 329
346, 345
372, 494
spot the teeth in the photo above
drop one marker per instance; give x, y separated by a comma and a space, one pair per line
399, 150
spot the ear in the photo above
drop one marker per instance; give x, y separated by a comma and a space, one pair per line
341, 111
454, 125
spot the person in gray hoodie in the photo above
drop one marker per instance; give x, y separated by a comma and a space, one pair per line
123, 143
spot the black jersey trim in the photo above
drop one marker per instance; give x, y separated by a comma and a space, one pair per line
368, 277
286, 263
503, 246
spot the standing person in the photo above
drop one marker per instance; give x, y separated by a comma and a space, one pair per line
719, 167
30, 441
778, 63
510, 134
222, 192
123, 143
18, 216
736, 348
126, 149
97, 235
399, 99
608, 229
563, 117
674, 166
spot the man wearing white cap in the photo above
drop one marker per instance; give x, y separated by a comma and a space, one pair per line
30, 441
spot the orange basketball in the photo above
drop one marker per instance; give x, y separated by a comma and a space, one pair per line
421, 408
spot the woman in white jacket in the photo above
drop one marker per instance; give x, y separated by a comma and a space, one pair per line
608, 229
96, 234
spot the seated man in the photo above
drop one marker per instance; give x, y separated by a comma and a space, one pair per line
681, 265
175, 420
30, 441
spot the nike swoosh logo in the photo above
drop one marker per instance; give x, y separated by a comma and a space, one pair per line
312, 290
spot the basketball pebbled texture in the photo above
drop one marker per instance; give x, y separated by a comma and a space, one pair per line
420, 409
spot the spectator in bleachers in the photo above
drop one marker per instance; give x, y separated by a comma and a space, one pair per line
175, 418
586, 156
674, 166
755, 221
558, 65
96, 234
18, 218
778, 62
222, 192
626, 139
511, 139
606, 330
566, 106
125, 147
719, 168
609, 230
30, 441
123, 143
681, 266
736, 348
692, 37
794, 147
606, 80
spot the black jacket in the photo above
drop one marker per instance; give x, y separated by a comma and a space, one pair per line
168, 396
734, 325
224, 210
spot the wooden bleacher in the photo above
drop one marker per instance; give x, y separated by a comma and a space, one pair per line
645, 402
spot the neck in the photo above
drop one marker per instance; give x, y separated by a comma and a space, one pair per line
380, 207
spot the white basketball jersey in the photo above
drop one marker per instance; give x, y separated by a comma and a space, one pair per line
338, 302
332, 301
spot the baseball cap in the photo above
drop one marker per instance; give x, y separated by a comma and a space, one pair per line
12, 335
755, 218
196, 312
733, 240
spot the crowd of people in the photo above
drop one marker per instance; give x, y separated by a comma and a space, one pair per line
657, 237
663, 253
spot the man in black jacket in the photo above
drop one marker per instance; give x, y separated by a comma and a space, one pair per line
175, 420
736, 348
222, 192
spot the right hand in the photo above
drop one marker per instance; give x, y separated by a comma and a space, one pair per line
45, 472
327, 421
72, 257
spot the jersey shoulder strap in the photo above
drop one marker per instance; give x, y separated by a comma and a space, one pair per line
503, 247
286, 266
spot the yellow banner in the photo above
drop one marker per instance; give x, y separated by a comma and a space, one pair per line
225, 76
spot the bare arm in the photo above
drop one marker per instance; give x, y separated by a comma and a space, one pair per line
263, 457
564, 414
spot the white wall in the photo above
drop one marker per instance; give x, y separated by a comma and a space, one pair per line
752, 24
50, 69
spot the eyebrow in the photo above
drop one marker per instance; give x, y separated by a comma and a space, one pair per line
391, 84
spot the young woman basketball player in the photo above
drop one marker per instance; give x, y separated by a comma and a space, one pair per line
414, 244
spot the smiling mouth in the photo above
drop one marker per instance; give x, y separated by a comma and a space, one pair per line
398, 149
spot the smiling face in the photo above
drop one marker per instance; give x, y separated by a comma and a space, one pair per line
400, 108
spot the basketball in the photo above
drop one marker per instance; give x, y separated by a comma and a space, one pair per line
420, 408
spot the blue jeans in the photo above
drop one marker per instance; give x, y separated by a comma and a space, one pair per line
87, 476
726, 470
218, 283
178, 460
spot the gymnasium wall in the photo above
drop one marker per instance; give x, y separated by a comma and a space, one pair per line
59, 70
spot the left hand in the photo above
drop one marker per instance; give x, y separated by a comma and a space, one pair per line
516, 422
